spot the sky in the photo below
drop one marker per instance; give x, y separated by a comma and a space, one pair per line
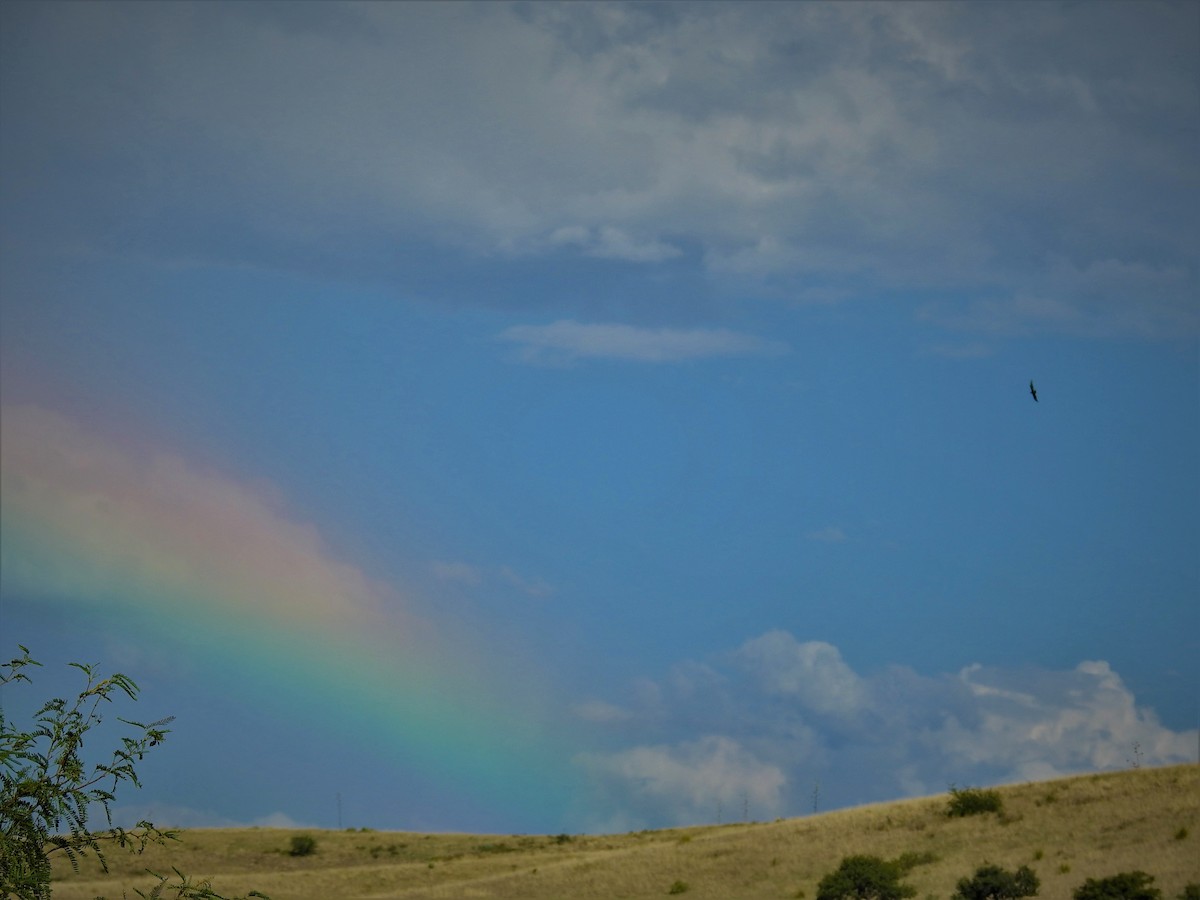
534, 417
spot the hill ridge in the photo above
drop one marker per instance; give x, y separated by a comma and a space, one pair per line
1066, 829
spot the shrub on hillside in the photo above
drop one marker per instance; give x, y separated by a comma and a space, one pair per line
1190, 892
973, 801
1124, 886
864, 878
303, 845
994, 883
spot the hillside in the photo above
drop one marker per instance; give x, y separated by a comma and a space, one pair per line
1066, 830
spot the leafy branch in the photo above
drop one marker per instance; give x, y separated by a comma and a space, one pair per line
47, 789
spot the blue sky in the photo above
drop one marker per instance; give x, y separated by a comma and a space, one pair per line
669, 361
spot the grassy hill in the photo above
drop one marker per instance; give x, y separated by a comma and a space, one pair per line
1066, 830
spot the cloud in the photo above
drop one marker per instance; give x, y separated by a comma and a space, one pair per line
812, 672
169, 816
607, 242
838, 149
776, 715
1045, 723
694, 780
1102, 299
567, 341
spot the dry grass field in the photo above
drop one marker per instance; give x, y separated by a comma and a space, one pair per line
1066, 831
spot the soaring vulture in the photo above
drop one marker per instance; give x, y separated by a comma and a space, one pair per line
1033, 391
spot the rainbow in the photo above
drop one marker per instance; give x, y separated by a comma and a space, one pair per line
216, 567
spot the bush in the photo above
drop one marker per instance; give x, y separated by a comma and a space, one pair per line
1190, 892
864, 878
1124, 886
973, 801
678, 887
994, 883
48, 789
303, 845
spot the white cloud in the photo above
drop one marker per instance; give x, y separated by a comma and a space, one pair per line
1060, 722
812, 672
169, 816
694, 780
567, 341
790, 713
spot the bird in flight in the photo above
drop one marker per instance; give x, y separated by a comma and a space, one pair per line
1033, 391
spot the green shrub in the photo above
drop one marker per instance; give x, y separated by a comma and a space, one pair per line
1181, 834
973, 801
994, 883
678, 887
303, 845
1191, 892
864, 878
1124, 886
48, 787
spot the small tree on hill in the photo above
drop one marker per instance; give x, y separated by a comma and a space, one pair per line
994, 883
971, 801
47, 790
864, 878
1134, 885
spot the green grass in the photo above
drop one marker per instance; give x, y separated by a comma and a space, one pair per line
1097, 826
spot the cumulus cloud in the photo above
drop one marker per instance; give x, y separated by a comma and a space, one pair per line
812, 673
693, 780
568, 341
772, 717
1039, 724
849, 149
